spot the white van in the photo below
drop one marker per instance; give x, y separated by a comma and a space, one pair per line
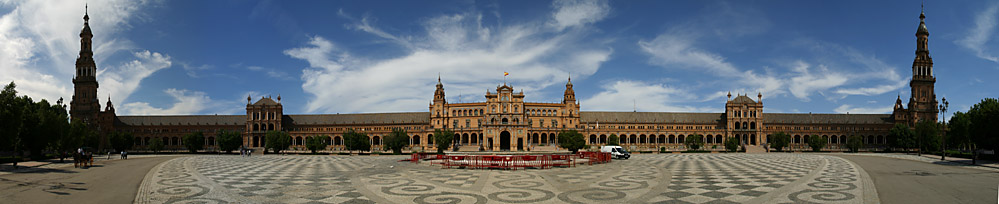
616, 151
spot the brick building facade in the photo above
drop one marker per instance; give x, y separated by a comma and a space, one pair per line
505, 122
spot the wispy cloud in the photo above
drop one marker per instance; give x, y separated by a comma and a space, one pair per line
469, 53
577, 13
984, 29
186, 102
846, 108
643, 96
120, 81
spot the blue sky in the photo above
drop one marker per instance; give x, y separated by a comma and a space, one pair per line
206, 57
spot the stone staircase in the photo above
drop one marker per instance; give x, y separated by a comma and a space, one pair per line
468, 148
546, 148
755, 149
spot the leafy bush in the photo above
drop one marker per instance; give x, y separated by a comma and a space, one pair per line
816, 142
277, 141
731, 144
194, 141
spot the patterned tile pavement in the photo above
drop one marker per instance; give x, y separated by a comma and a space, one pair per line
673, 178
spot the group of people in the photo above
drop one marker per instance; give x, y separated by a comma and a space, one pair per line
83, 158
244, 152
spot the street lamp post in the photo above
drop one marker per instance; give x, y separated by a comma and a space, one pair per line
943, 150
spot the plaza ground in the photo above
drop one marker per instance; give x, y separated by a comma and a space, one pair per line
647, 178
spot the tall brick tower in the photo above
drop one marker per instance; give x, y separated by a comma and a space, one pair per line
85, 105
923, 103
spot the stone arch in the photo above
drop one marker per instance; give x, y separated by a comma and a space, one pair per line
603, 139
718, 138
544, 138
475, 138
642, 139
797, 139
679, 139
376, 140
672, 139
752, 125
593, 139
416, 140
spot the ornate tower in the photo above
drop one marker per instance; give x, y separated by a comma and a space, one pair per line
922, 104
85, 106
570, 95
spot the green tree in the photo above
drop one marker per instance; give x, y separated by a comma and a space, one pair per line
854, 143
816, 142
277, 141
571, 140
443, 139
316, 142
959, 130
984, 131
613, 140
901, 136
780, 140
354, 140
694, 142
229, 140
732, 144
928, 133
121, 141
397, 140
11, 111
194, 141
156, 144
73, 137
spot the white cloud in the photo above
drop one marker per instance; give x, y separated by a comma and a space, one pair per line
675, 48
643, 96
983, 31
846, 108
453, 45
186, 103
804, 82
872, 91
39, 42
120, 81
576, 13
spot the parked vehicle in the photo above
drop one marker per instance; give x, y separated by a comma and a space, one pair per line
616, 151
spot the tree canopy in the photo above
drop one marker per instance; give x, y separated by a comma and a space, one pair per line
902, 137
854, 143
397, 140
571, 140
443, 139
732, 144
928, 135
228, 140
354, 140
316, 142
121, 141
277, 141
194, 141
613, 140
780, 140
816, 143
694, 142
156, 144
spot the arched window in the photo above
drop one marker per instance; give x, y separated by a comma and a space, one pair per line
752, 125
745, 125
505, 121
593, 139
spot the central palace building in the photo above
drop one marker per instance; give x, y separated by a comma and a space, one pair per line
505, 122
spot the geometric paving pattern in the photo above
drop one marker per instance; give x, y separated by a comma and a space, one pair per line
649, 178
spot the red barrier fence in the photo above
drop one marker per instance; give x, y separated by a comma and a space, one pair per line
512, 162
595, 157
